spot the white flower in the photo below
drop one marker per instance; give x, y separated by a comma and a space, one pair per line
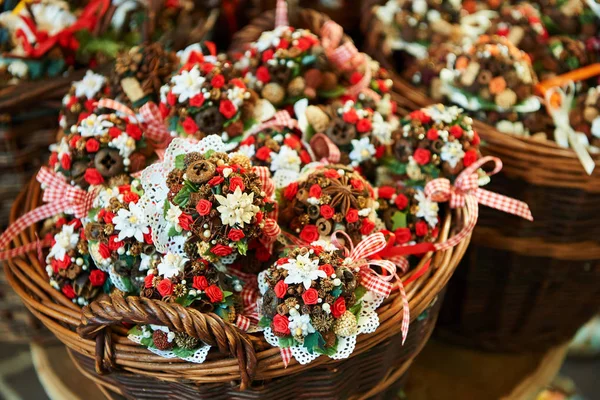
237, 95
18, 68
173, 214
362, 150
381, 130
66, 240
94, 125
303, 269
300, 325
248, 150
413, 170
386, 12
184, 55
325, 245
287, 158
61, 147
452, 153
131, 223
90, 85
187, 84
270, 38
104, 196
428, 209
171, 265
237, 208
52, 17
419, 7
145, 262
124, 143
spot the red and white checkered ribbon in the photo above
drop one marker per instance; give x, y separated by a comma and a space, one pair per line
156, 129
249, 295
281, 119
281, 14
286, 355
466, 192
115, 105
60, 196
324, 148
271, 229
364, 256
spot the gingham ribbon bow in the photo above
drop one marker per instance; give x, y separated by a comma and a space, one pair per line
325, 149
60, 196
249, 295
271, 228
281, 14
281, 119
466, 192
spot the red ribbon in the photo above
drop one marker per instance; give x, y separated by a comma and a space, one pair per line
281, 14
271, 229
61, 197
156, 129
281, 119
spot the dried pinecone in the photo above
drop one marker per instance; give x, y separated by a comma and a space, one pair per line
161, 341
186, 341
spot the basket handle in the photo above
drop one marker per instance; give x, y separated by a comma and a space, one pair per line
98, 316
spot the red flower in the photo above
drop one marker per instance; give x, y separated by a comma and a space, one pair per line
134, 131
364, 125
383, 88
259, 217
200, 283
97, 278
189, 126
238, 82
74, 140
114, 244
339, 307
470, 157
367, 226
131, 197
456, 131
421, 228
331, 174
262, 254
197, 100
421, 116
309, 233
355, 78
281, 324
350, 116
235, 235
215, 295
149, 281
401, 201
310, 296
315, 191
65, 162
108, 217
207, 67
422, 156
327, 211
357, 184
216, 180
476, 140
68, 291
203, 207
185, 221
263, 75
92, 176
221, 250
304, 44
114, 132
171, 98
217, 81
327, 268
386, 192
290, 191
283, 44
61, 264
148, 238
227, 108
263, 153
236, 182
92, 145
432, 134
280, 289
53, 159
403, 235
352, 215
165, 287
305, 157
267, 55
292, 141
104, 250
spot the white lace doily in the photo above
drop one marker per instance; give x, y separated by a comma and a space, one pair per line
198, 357
368, 322
154, 182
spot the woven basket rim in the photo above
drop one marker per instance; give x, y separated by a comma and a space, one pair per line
28, 278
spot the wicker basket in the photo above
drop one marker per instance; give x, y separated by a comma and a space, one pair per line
523, 285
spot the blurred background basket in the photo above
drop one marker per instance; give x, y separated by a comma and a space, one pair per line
522, 285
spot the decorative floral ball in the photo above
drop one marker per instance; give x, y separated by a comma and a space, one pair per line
99, 147
140, 72
288, 64
118, 235
574, 18
522, 25
217, 202
585, 115
380, 83
436, 141
81, 99
331, 198
279, 149
69, 265
491, 74
207, 98
408, 213
561, 55
312, 298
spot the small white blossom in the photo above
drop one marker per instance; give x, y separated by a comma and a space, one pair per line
173, 214
237, 208
381, 129
362, 150
452, 153
94, 125
428, 209
124, 143
302, 269
131, 223
66, 240
18, 68
187, 84
287, 158
171, 265
300, 325
90, 85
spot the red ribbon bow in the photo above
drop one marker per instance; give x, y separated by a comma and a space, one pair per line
271, 229
61, 197
281, 119
249, 295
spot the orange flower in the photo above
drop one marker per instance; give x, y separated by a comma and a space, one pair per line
461, 63
497, 85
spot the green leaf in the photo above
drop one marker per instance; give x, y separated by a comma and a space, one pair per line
355, 309
394, 166
242, 247
135, 331
232, 120
166, 206
328, 351
398, 220
208, 153
226, 293
173, 124
93, 212
147, 341
337, 291
191, 186
249, 123
309, 59
222, 312
172, 232
287, 341
183, 353
179, 161
182, 198
359, 292
332, 94
313, 341
185, 300
264, 322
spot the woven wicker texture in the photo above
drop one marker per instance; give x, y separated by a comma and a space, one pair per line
524, 285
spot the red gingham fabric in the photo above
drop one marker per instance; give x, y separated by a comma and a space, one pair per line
333, 152
281, 14
60, 196
249, 296
286, 356
265, 179
281, 119
242, 322
115, 105
156, 130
